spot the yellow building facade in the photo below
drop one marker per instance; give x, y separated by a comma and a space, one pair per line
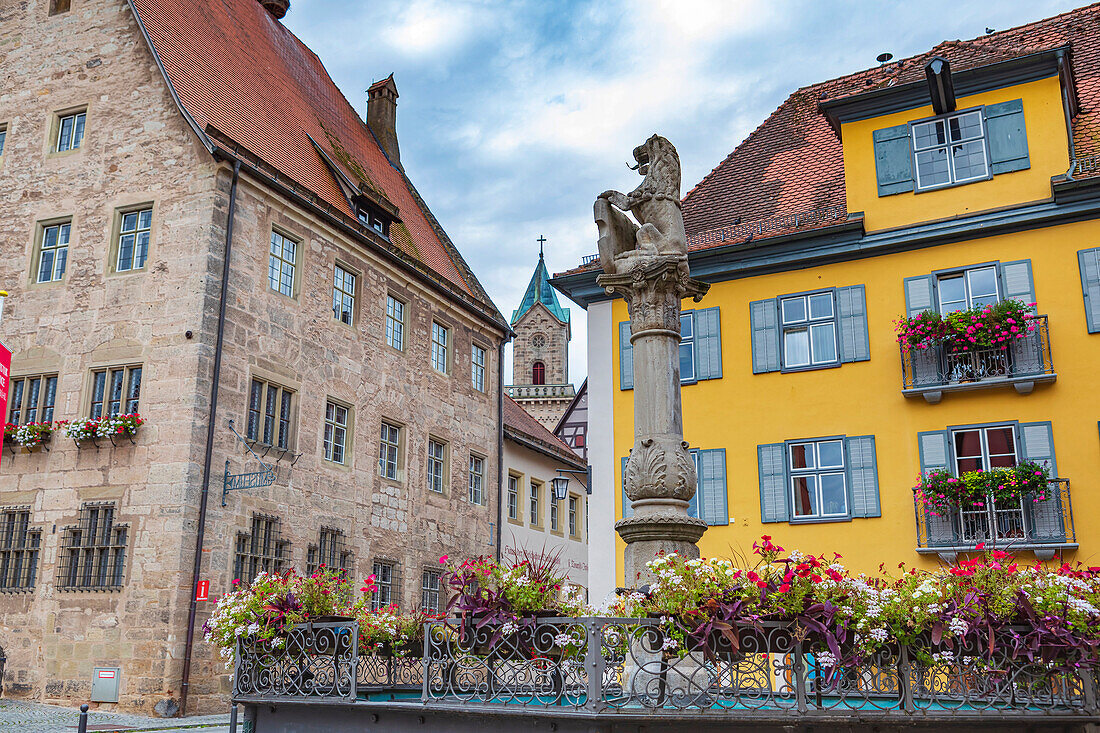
956, 185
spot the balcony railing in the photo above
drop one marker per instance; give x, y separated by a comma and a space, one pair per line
1025, 363
541, 390
1041, 526
612, 668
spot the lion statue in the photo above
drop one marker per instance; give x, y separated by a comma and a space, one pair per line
655, 203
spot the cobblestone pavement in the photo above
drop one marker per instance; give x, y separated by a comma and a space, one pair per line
20, 716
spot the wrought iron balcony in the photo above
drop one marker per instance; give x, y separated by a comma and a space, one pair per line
1025, 363
624, 670
540, 390
1040, 526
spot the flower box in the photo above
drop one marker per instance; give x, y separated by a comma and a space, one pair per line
992, 327
111, 427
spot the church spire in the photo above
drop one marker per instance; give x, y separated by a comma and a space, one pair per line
539, 290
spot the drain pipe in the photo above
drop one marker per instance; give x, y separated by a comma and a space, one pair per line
501, 473
193, 609
1063, 67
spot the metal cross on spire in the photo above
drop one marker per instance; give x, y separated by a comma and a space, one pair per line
541, 240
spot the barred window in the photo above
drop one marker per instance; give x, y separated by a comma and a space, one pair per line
477, 359
330, 551
19, 545
441, 339
429, 590
262, 549
343, 295
281, 264
477, 479
115, 391
437, 463
336, 431
395, 323
385, 578
93, 552
269, 414
32, 399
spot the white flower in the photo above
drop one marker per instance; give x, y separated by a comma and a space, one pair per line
826, 659
670, 644
958, 626
253, 628
509, 627
562, 640
879, 635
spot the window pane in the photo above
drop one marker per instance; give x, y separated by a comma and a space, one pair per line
952, 294
932, 167
821, 305
965, 127
134, 393
928, 134
983, 282
805, 498
1000, 441
833, 497
824, 343
48, 399
284, 421
831, 454
687, 361
802, 456
687, 326
794, 309
253, 428
796, 348
968, 160
968, 443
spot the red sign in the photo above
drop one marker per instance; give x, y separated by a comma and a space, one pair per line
106, 674
202, 593
5, 367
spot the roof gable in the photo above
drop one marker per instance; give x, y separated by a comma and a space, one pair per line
539, 290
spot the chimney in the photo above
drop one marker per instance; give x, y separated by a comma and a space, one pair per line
382, 117
277, 8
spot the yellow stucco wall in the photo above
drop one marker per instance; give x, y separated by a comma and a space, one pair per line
742, 410
1047, 148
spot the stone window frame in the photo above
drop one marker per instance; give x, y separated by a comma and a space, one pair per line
554, 524
481, 476
126, 399
573, 516
299, 257
20, 547
479, 369
80, 558
403, 322
5, 128
40, 228
329, 457
427, 589
508, 494
282, 391
339, 292
399, 459
443, 460
267, 551
392, 585
435, 347
44, 402
53, 141
115, 243
534, 503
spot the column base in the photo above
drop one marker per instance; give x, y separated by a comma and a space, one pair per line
647, 536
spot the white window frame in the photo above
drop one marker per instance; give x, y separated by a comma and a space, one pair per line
986, 456
279, 268
808, 324
477, 479
437, 465
555, 523
816, 472
478, 362
76, 132
513, 497
59, 251
343, 294
441, 342
385, 571
687, 324
395, 322
430, 589
336, 431
573, 509
139, 248
965, 275
952, 177
389, 451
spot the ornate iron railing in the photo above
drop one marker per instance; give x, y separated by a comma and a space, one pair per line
1025, 524
616, 665
834, 212
939, 367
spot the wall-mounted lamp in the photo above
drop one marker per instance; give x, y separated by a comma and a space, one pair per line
561, 487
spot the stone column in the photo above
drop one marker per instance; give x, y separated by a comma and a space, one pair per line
660, 475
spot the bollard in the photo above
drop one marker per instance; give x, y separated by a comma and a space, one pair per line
82, 726
233, 719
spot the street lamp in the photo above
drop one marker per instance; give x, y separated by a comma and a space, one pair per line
561, 487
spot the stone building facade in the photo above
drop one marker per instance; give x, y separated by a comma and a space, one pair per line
177, 129
540, 351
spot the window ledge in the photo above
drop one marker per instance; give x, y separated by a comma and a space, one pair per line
933, 393
1042, 550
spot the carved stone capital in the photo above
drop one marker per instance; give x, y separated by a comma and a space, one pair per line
653, 288
660, 468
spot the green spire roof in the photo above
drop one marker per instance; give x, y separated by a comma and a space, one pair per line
539, 290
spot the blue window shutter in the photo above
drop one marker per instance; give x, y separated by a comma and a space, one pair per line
712, 476
1047, 515
708, 344
852, 321
934, 450
1007, 135
628, 511
764, 320
1089, 259
863, 476
893, 160
626, 357
1016, 281
919, 295
774, 506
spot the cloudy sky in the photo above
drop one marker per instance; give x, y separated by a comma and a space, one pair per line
514, 115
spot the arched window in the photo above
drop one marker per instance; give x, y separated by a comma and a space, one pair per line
538, 373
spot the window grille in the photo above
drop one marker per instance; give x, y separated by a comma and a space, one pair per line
336, 432
269, 414
70, 131
343, 295
330, 551
388, 451
53, 252
32, 399
262, 549
477, 478
385, 580
93, 552
441, 338
133, 239
281, 264
115, 391
395, 323
429, 590
477, 359
19, 546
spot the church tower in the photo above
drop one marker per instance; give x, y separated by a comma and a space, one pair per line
540, 352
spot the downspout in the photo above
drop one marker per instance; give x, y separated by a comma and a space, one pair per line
500, 444
193, 608
1060, 54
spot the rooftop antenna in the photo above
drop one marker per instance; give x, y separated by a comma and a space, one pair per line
882, 58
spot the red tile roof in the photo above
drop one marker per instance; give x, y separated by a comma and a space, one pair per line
518, 419
792, 162
238, 70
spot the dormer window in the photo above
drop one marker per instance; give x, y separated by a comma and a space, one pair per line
950, 150
375, 220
